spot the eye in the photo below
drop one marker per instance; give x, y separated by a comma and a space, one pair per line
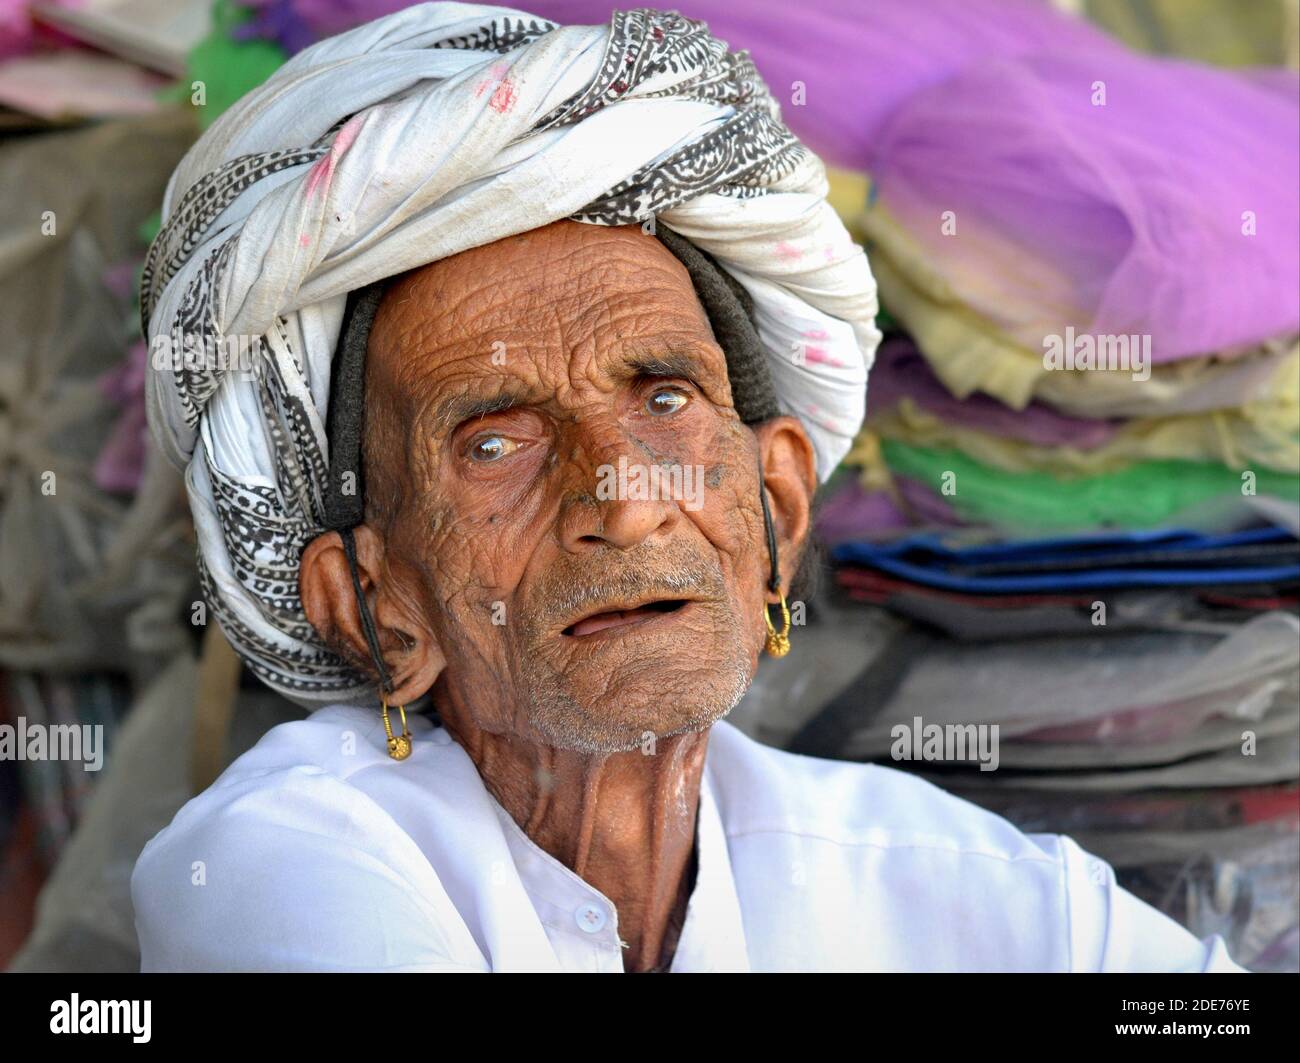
491, 448
665, 401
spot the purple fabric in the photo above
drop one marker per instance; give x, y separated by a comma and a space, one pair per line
1127, 218
901, 371
294, 24
1120, 219
853, 513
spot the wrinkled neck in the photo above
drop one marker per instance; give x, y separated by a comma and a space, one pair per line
623, 822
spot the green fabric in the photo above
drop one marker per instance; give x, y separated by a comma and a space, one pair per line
227, 68
149, 227
1143, 495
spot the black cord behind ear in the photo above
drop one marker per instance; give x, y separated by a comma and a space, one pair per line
774, 581
367, 621
344, 500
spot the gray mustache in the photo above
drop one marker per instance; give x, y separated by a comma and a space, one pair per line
590, 584
576, 598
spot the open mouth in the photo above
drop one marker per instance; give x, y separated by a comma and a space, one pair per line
613, 618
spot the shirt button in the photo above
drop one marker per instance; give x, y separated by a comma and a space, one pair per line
591, 918
441, 737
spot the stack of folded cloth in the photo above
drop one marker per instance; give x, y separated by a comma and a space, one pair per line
1080, 204
1054, 197
1164, 742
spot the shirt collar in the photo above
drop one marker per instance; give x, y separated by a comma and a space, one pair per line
713, 935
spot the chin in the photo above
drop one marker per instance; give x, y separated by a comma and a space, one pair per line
659, 703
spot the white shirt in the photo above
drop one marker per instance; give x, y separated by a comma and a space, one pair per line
316, 851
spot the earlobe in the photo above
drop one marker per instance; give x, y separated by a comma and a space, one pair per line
412, 657
790, 476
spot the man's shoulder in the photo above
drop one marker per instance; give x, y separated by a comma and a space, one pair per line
301, 814
333, 759
910, 877
293, 782
760, 788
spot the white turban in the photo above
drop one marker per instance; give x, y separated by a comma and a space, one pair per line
411, 138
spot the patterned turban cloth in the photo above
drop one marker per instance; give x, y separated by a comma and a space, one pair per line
419, 135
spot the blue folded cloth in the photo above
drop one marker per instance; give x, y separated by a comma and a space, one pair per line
1162, 558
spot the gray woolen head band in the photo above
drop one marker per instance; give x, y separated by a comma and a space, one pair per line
729, 310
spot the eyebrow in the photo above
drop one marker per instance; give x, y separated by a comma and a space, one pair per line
670, 364
456, 410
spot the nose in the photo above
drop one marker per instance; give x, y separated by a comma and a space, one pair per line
608, 506
621, 523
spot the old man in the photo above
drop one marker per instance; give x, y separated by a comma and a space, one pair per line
490, 260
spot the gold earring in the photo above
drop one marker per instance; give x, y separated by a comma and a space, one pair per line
399, 746
778, 642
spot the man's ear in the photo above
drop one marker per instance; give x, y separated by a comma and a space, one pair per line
790, 477
411, 653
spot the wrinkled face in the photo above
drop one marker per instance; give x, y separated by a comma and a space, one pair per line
520, 397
